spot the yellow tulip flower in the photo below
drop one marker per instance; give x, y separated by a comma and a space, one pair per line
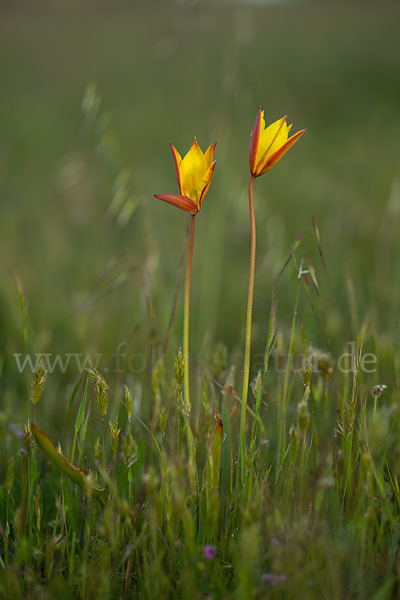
269, 144
194, 173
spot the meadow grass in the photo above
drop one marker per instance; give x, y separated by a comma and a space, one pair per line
91, 261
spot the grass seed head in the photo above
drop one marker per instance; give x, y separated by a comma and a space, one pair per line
129, 450
163, 421
128, 403
28, 436
114, 433
179, 368
102, 396
325, 365
38, 381
303, 416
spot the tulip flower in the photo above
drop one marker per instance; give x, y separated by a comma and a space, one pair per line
194, 173
267, 146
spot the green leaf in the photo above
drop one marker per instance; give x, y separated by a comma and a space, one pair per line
66, 467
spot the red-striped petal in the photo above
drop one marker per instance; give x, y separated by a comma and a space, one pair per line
182, 202
274, 158
254, 139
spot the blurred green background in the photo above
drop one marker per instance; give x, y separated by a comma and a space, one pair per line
97, 256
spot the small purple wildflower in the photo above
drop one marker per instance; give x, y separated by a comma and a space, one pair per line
209, 552
273, 578
276, 541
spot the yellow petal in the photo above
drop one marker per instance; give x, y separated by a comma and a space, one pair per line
209, 154
192, 170
206, 182
271, 139
280, 138
277, 155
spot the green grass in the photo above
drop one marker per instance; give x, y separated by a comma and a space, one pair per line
90, 260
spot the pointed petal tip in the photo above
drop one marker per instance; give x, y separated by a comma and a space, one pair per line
171, 145
296, 136
195, 144
299, 133
274, 158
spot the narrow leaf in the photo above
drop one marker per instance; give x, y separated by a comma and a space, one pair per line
215, 452
65, 466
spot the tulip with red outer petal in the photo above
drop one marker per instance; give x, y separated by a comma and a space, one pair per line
269, 144
194, 173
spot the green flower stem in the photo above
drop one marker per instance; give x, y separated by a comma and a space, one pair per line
186, 387
242, 434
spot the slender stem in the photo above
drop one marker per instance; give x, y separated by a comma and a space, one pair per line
186, 387
177, 289
242, 435
186, 392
